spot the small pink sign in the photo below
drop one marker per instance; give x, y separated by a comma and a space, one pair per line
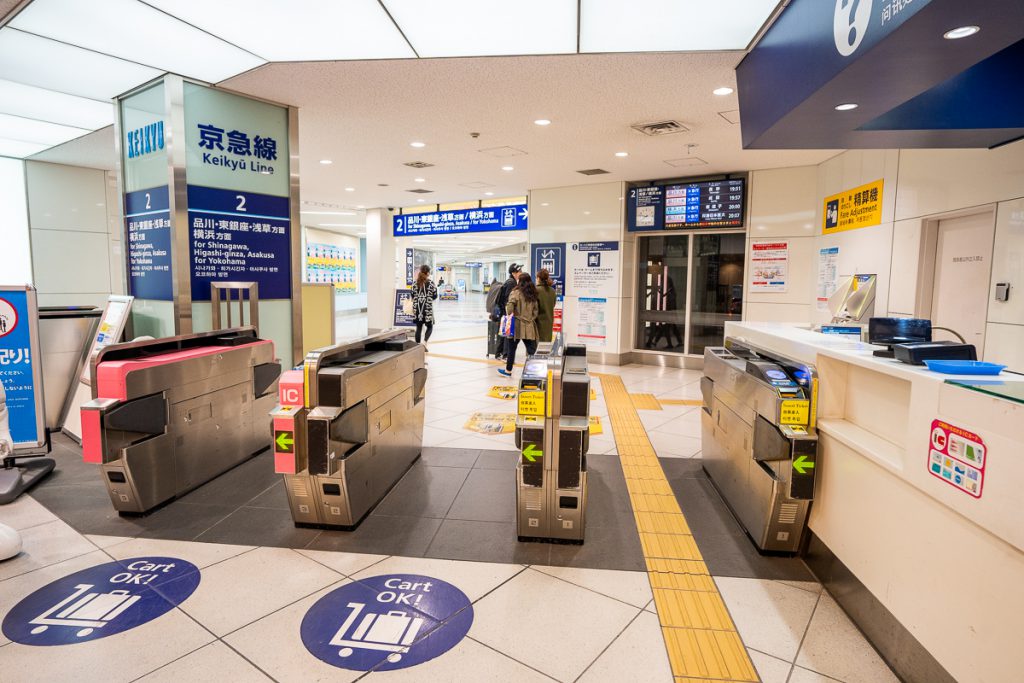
957, 457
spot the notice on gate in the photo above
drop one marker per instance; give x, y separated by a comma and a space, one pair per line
532, 402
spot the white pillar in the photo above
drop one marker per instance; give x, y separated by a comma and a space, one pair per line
381, 268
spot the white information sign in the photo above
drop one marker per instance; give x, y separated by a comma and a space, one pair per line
593, 269
769, 266
591, 325
828, 275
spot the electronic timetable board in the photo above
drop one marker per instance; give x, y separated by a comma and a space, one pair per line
683, 206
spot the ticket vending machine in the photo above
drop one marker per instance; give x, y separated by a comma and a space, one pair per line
553, 436
348, 427
759, 444
168, 415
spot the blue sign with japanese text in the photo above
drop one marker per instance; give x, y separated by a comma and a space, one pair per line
387, 622
491, 219
16, 365
550, 257
242, 152
101, 601
239, 236
403, 308
410, 267
147, 218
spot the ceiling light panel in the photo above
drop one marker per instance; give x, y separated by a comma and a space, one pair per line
32, 60
671, 25
38, 103
131, 30
41, 132
297, 30
19, 148
467, 28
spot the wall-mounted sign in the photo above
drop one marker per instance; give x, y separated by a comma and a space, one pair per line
592, 269
860, 207
592, 321
403, 315
410, 267
828, 275
769, 266
148, 218
550, 257
20, 369
705, 204
491, 219
957, 457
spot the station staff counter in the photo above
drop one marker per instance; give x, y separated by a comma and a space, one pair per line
349, 426
170, 414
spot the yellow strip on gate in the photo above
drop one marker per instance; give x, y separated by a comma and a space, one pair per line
702, 641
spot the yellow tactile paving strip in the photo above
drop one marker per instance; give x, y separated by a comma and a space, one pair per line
702, 642
680, 401
645, 402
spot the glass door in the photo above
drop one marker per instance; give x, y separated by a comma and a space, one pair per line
717, 288
661, 296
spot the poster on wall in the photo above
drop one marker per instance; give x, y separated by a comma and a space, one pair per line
550, 257
591, 324
853, 209
828, 275
592, 269
331, 264
404, 309
769, 266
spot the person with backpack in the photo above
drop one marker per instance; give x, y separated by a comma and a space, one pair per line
424, 293
523, 305
546, 297
499, 305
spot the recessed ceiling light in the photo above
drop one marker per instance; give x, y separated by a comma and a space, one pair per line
419, 180
350, 189
723, 91
546, 204
508, 168
542, 122
847, 107
489, 194
421, 200
360, 206
417, 144
326, 162
622, 154
961, 32
586, 213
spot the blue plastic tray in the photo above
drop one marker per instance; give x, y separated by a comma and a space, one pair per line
964, 367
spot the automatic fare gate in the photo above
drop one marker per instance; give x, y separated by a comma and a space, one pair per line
348, 426
553, 436
759, 444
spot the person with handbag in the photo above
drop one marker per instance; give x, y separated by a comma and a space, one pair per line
424, 293
495, 344
520, 322
499, 306
546, 297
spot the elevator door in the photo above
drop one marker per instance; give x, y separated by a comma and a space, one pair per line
963, 266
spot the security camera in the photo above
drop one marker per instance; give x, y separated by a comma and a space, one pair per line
391, 208
474, 135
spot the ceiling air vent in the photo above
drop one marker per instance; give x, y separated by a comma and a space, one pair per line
660, 128
417, 164
593, 171
420, 190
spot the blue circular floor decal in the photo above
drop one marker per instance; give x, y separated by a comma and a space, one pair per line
387, 622
101, 601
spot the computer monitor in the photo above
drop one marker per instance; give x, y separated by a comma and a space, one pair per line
889, 331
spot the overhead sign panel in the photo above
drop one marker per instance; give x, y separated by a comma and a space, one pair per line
489, 219
706, 204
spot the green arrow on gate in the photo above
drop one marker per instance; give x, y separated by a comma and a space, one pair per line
284, 440
532, 453
802, 464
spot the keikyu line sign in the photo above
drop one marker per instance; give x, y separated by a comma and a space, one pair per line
242, 152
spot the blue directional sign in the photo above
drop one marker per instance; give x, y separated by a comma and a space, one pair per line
387, 622
17, 366
101, 601
491, 219
148, 220
551, 257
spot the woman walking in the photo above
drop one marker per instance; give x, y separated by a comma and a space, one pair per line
424, 292
522, 303
546, 297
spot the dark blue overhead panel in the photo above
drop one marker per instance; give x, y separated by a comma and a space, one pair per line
912, 87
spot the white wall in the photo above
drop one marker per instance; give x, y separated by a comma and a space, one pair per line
15, 246
76, 243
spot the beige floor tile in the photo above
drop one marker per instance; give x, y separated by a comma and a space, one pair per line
475, 579
770, 669
249, 586
637, 655
836, 648
811, 586
346, 564
106, 541
43, 545
200, 554
13, 590
214, 663
548, 624
687, 425
25, 512
671, 444
770, 616
629, 587
274, 645
121, 657
467, 661
491, 443
801, 675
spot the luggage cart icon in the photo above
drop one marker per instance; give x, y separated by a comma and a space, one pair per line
86, 610
393, 632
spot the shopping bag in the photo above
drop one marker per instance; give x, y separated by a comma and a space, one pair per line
507, 327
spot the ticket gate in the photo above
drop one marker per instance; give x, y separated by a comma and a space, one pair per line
553, 436
759, 445
170, 414
348, 426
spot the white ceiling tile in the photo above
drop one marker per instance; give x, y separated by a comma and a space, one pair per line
298, 30
131, 30
32, 130
48, 64
47, 105
19, 149
464, 28
671, 25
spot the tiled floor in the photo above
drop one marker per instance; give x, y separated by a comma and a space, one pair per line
541, 612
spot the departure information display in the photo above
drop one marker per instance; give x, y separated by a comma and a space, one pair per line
707, 204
